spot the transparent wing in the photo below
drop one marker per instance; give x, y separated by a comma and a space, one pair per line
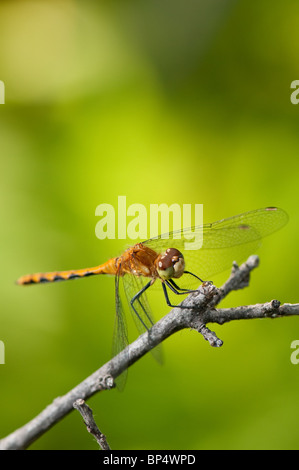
120, 335
144, 318
223, 242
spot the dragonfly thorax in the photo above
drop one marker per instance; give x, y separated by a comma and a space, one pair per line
170, 264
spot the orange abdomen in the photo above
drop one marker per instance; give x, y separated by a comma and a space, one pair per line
107, 268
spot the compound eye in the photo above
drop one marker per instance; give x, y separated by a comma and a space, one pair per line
170, 264
178, 265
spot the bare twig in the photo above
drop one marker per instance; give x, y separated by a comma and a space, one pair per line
203, 311
90, 424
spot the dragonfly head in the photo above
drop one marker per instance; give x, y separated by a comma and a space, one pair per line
170, 264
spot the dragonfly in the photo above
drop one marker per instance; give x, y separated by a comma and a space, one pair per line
165, 259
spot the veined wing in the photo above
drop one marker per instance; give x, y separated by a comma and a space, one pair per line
224, 241
120, 334
144, 318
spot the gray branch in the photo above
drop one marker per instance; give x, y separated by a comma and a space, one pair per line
90, 423
202, 310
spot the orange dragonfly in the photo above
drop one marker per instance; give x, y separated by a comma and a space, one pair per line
164, 259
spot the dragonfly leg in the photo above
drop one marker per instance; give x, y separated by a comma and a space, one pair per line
167, 298
194, 275
186, 291
136, 297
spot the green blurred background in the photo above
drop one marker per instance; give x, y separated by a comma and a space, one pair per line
165, 102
